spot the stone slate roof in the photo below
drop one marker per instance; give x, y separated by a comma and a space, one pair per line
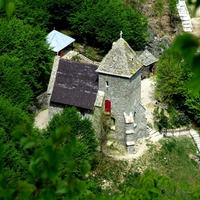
147, 58
58, 41
76, 84
121, 60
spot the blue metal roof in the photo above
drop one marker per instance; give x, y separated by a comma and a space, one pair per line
58, 41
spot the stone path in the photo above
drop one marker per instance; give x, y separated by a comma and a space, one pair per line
189, 25
195, 136
192, 133
184, 16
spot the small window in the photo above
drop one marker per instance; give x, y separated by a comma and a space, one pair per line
134, 116
107, 85
112, 127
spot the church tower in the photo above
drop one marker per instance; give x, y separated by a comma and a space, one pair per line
120, 81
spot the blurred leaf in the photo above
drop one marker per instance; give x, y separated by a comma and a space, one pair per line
18, 132
197, 4
85, 168
29, 145
10, 7
154, 190
195, 65
68, 150
2, 3
61, 188
1, 149
71, 165
2, 181
29, 127
23, 141
187, 45
194, 85
48, 194
73, 140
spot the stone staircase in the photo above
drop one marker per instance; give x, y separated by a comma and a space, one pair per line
190, 133
184, 16
196, 138
130, 137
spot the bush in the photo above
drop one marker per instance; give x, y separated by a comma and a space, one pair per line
82, 129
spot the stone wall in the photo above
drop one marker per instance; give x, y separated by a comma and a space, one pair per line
40, 102
53, 109
125, 96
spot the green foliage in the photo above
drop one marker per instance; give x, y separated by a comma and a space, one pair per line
169, 118
170, 78
9, 6
149, 185
172, 8
135, 4
27, 45
169, 159
81, 129
177, 77
13, 85
193, 104
33, 12
11, 115
177, 118
43, 178
105, 129
159, 8
160, 118
188, 45
104, 27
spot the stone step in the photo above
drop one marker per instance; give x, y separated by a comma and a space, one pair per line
130, 143
184, 18
187, 26
195, 136
187, 29
129, 132
169, 134
187, 23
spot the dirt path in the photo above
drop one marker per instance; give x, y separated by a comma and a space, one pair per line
147, 97
196, 23
41, 120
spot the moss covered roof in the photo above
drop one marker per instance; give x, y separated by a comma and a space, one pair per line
121, 60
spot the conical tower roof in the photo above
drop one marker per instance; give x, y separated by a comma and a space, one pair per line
121, 60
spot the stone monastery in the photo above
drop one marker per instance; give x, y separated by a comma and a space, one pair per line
112, 88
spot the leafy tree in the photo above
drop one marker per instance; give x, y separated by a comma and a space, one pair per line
11, 115
102, 24
13, 85
43, 177
35, 13
170, 78
81, 128
176, 81
193, 107
28, 45
15, 162
187, 44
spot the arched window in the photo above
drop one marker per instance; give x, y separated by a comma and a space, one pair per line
112, 127
107, 85
134, 116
